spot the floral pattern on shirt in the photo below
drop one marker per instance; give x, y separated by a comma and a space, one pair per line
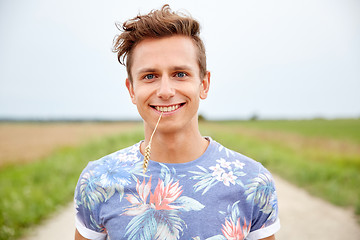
165, 202
157, 215
262, 192
226, 172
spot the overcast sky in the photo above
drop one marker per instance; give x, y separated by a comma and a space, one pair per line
275, 59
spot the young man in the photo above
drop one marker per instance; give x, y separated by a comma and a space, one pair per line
193, 188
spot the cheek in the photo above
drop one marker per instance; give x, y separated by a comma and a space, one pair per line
191, 88
142, 94
197, 91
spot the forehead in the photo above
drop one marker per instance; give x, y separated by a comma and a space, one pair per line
165, 52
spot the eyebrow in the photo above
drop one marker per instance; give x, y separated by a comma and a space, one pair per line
174, 68
146, 70
181, 67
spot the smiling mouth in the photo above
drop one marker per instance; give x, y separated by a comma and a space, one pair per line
167, 108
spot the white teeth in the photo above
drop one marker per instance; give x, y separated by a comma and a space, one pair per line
167, 109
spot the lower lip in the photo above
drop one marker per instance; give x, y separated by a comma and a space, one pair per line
169, 113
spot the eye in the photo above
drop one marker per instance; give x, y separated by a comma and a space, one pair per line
149, 76
181, 74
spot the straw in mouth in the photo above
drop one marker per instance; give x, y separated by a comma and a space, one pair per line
148, 147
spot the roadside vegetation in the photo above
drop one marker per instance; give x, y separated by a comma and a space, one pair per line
31, 192
341, 129
319, 155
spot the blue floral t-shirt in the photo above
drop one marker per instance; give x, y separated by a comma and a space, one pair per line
221, 195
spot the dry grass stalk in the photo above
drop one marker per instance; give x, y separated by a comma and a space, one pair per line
148, 147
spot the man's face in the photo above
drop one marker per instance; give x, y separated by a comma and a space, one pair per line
166, 79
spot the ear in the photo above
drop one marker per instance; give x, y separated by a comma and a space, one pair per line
205, 85
130, 88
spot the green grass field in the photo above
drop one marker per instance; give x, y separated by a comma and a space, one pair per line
321, 156
342, 129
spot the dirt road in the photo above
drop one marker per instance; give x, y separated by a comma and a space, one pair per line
303, 217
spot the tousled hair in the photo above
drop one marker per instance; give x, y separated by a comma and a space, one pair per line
157, 24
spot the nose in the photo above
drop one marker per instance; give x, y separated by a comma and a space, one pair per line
165, 90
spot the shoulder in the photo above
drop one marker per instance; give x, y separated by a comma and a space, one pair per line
101, 178
222, 153
112, 169
126, 156
253, 174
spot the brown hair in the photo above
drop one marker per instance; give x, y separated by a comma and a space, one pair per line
157, 24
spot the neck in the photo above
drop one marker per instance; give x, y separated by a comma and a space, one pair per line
179, 147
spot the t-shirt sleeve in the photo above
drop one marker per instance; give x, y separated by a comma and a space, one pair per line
87, 198
265, 220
